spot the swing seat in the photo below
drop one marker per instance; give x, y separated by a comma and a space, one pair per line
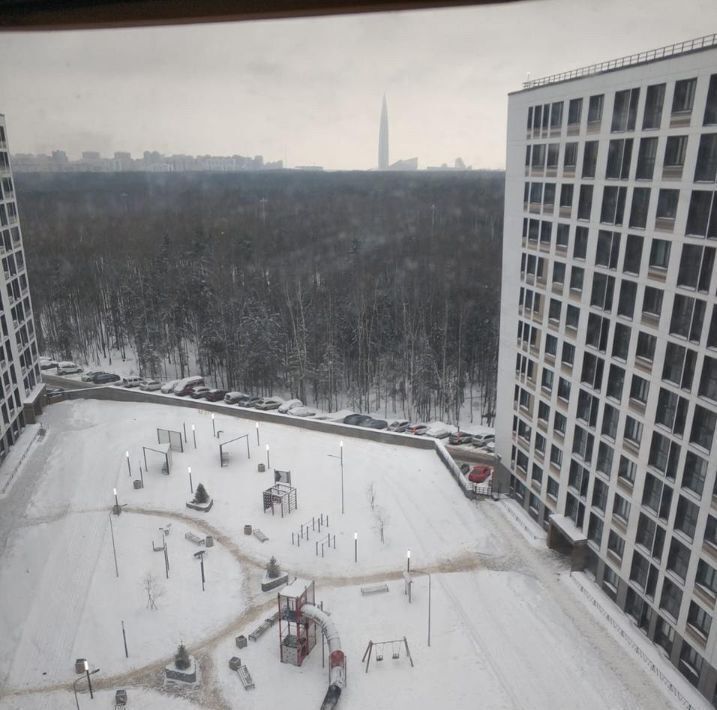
379, 655
396, 655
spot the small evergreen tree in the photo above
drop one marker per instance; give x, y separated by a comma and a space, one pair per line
272, 569
200, 495
181, 658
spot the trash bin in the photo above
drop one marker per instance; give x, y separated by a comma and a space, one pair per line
241, 641
137, 483
247, 530
235, 663
261, 468
209, 541
80, 664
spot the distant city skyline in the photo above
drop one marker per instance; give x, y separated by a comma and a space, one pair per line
305, 91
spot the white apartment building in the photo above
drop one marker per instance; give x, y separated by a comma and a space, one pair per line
19, 369
607, 376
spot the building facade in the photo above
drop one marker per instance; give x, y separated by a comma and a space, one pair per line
608, 343
19, 369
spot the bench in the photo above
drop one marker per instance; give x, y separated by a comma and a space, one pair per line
259, 535
245, 677
193, 538
259, 630
374, 589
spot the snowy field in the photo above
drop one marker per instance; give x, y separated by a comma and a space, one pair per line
508, 629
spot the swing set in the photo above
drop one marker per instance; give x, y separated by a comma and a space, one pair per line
380, 646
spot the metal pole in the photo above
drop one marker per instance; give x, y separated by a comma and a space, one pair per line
201, 562
89, 682
258, 443
268, 465
117, 508
184, 426
408, 560
129, 466
214, 426
124, 636
191, 485
114, 549
429, 609
355, 547
74, 687
166, 560
194, 435
141, 475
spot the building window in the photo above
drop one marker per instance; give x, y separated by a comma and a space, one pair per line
686, 519
595, 528
625, 110
613, 205
679, 365
706, 577
675, 151
626, 470
604, 459
696, 265
566, 197
560, 423
546, 381
646, 158
595, 106
671, 411
703, 428
585, 201
667, 204
645, 346
640, 204
608, 249
708, 380
568, 357
621, 341
684, 96
575, 108
610, 419
711, 104
694, 474
553, 152
650, 536
678, 560
556, 116
597, 332
699, 620
639, 389
664, 455
570, 159
580, 249
553, 488
551, 345
592, 371
652, 301
660, 254
563, 389
562, 235
665, 635
556, 456
558, 272
621, 509
639, 570
543, 411
712, 335
619, 155
654, 99
616, 544
615, 382
633, 254
671, 598
702, 216
626, 303
633, 430
706, 168
590, 153
554, 314
572, 317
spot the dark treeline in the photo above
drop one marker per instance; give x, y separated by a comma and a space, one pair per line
378, 291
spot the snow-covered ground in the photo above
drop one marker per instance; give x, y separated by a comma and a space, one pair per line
507, 628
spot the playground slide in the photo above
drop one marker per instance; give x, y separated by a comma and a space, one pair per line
337, 668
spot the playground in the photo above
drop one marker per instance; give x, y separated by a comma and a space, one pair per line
399, 587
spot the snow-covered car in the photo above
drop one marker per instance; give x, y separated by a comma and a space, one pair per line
185, 386
168, 387
417, 429
439, 431
490, 447
54, 393
199, 392
376, 424
150, 385
235, 397
481, 440
104, 378
269, 403
215, 395
46, 363
478, 473
250, 401
131, 381
460, 437
88, 376
289, 405
302, 412
68, 368
400, 425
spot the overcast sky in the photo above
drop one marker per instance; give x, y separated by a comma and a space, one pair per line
310, 90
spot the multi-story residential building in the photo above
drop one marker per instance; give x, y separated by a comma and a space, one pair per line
19, 369
608, 341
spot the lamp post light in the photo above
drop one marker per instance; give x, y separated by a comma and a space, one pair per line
194, 435
258, 443
355, 547
114, 549
88, 673
214, 426
117, 508
408, 560
268, 466
129, 465
191, 485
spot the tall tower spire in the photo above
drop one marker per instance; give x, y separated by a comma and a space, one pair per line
383, 137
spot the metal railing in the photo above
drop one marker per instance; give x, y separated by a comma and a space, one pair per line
671, 50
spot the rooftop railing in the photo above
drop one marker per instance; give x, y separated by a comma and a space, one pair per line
671, 50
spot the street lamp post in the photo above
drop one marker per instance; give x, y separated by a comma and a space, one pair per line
114, 549
89, 682
355, 547
258, 443
194, 435
214, 426
129, 465
408, 560
124, 637
191, 485
268, 466
117, 508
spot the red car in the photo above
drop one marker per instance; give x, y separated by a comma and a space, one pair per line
478, 473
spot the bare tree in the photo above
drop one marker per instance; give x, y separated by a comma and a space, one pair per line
371, 495
382, 519
153, 589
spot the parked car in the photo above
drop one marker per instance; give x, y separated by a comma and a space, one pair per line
215, 395
235, 397
479, 473
103, 378
68, 368
249, 401
438, 431
131, 381
269, 403
460, 437
199, 392
399, 426
54, 393
417, 429
185, 386
483, 439
150, 385
376, 424
490, 447
88, 376
357, 419
301, 412
168, 387
289, 405
47, 364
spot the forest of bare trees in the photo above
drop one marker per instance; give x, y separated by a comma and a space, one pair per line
376, 291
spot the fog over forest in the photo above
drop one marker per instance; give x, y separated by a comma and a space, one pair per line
377, 291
